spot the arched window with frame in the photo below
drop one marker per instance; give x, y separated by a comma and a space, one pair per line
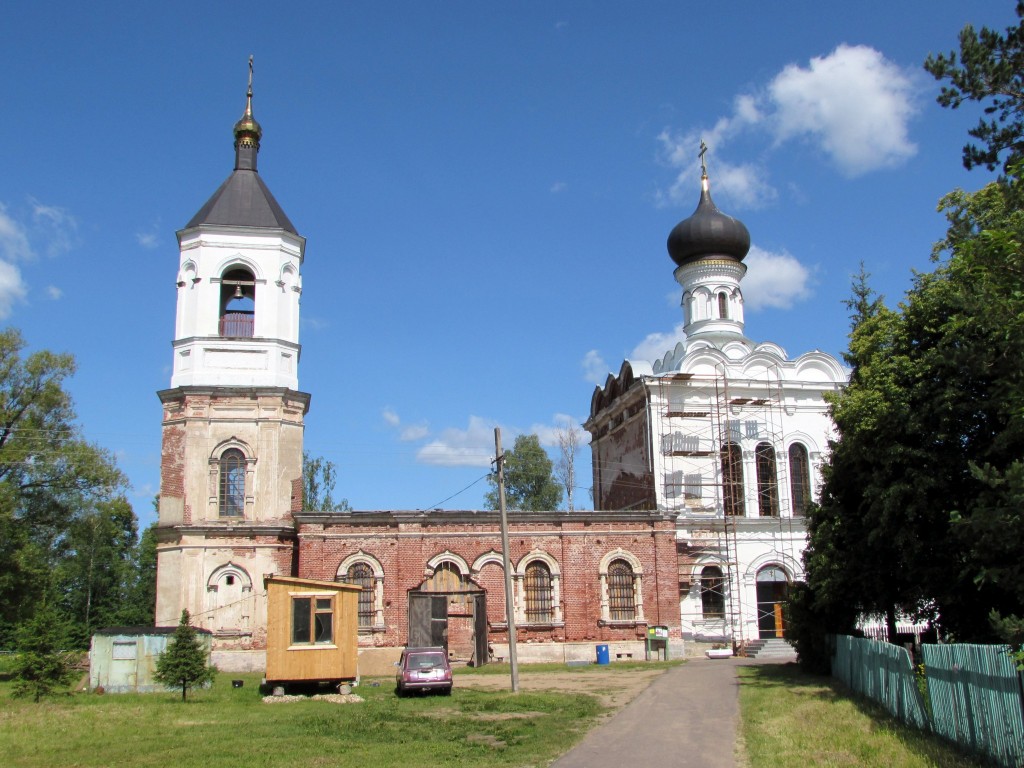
361, 574
712, 592
732, 478
621, 598
767, 481
799, 479
537, 585
232, 483
723, 305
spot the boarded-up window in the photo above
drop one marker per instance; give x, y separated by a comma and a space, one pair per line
538, 593
124, 650
621, 602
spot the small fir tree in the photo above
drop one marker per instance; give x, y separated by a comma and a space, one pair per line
184, 661
42, 665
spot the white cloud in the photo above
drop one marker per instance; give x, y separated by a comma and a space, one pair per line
548, 433
54, 292
854, 103
745, 185
406, 432
595, 369
559, 186
14, 245
470, 447
474, 445
655, 345
774, 280
12, 288
146, 239
414, 432
54, 227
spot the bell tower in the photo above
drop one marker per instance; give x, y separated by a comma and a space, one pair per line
231, 463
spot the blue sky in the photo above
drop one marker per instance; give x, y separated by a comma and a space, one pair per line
485, 189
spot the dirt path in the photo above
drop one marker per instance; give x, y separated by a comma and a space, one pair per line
614, 687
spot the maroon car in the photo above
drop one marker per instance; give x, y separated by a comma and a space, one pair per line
423, 669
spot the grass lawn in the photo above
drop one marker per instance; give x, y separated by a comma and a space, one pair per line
226, 726
792, 719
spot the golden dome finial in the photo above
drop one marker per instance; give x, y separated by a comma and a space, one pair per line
247, 131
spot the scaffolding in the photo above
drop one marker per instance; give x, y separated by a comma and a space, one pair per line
724, 463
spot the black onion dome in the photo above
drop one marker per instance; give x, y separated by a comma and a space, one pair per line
708, 232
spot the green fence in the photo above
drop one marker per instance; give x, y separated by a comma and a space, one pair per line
974, 691
976, 699
883, 672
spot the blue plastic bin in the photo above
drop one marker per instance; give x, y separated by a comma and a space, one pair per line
602, 654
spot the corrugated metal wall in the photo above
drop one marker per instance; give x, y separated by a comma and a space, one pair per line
974, 691
882, 672
976, 699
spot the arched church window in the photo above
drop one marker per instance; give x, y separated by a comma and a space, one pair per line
799, 478
361, 574
538, 593
237, 303
712, 592
232, 483
767, 481
723, 305
621, 600
732, 478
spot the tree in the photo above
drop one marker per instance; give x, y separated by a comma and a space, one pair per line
990, 71
42, 664
184, 662
318, 478
49, 476
568, 443
99, 568
140, 606
529, 484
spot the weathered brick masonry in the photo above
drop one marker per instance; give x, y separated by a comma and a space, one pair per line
406, 543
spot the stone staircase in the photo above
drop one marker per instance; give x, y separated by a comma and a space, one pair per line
774, 648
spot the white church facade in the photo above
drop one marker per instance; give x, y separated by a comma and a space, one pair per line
727, 433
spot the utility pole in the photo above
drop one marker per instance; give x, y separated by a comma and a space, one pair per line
510, 614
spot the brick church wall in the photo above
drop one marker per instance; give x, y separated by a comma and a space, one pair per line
404, 543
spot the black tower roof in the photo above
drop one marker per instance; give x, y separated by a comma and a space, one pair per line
243, 200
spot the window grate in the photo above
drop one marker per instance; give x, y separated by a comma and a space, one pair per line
538, 593
621, 604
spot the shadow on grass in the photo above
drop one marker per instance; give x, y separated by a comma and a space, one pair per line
788, 680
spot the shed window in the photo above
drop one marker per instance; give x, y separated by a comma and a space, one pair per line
312, 620
621, 601
124, 650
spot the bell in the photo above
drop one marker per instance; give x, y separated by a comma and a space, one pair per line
238, 292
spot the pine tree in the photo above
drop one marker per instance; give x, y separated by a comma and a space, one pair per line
42, 665
184, 661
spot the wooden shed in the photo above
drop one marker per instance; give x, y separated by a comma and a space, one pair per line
312, 630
